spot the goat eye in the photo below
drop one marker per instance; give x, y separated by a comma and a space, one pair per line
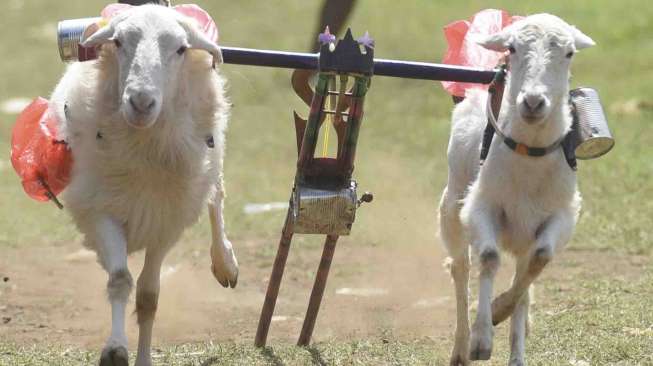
117, 43
511, 49
181, 50
570, 54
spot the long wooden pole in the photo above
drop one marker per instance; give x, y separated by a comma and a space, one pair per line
318, 290
275, 282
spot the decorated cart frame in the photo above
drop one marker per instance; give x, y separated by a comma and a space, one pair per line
324, 197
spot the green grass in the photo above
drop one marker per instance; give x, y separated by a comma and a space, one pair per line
401, 158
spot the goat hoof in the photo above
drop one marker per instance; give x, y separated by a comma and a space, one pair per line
224, 264
516, 362
114, 356
460, 351
459, 360
481, 346
225, 279
482, 354
143, 360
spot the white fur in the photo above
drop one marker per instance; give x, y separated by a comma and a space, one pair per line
143, 175
528, 206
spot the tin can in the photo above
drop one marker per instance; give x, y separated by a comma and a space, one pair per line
593, 138
70, 34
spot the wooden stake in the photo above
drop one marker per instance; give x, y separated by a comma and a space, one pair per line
275, 282
318, 290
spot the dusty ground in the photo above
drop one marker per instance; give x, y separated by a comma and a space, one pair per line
55, 295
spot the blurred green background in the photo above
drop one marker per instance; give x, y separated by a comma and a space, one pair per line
402, 145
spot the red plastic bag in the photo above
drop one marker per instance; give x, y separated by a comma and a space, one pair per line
41, 160
464, 51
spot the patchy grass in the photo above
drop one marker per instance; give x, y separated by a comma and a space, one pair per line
592, 319
605, 321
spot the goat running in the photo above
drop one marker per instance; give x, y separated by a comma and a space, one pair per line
527, 205
146, 124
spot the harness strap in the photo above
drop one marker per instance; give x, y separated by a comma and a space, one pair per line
495, 97
569, 143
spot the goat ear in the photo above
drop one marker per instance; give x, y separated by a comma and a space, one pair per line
102, 35
580, 39
105, 33
198, 40
496, 42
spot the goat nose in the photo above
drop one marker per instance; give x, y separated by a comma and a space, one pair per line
142, 102
534, 102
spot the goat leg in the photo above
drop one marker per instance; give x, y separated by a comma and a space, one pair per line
112, 250
147, 298
224, 264
554, 233
482, 222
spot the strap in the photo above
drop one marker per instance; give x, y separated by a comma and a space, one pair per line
495, 96
488, 134
493, 92
522, 149
569, 142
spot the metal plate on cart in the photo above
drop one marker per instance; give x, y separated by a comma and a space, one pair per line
320, 211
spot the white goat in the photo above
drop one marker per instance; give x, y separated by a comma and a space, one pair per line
527, 204
146, 124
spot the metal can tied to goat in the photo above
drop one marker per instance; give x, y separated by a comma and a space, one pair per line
70, 34
593, 137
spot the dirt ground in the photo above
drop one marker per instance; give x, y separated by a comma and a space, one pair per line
56, 295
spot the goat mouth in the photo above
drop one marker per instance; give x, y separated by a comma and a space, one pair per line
531, 120
139, 126
532, 117
138, 120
